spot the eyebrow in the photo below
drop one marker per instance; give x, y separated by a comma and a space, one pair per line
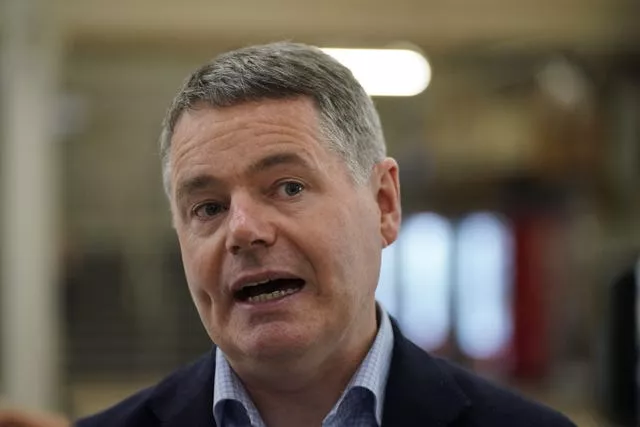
278, 159
195, 184
204, 181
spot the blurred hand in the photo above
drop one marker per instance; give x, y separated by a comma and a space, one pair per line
18, 418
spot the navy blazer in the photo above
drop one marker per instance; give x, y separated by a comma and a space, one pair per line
422, 391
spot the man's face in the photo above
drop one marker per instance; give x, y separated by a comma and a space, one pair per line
281, 247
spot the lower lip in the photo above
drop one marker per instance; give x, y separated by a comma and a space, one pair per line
271, 304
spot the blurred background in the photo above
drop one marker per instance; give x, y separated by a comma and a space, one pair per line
520, 170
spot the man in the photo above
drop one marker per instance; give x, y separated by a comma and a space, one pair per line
282, 198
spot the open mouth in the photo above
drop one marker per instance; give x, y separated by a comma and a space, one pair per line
269, 290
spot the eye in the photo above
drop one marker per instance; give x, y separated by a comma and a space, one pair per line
208, 210
291, 188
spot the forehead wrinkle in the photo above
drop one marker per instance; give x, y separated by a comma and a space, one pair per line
212, 127
207, 132
285, 139
280, 158
200, 175
219, 122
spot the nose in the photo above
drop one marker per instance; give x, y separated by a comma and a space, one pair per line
249, 227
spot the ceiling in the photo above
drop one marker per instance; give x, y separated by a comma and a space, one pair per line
588, 24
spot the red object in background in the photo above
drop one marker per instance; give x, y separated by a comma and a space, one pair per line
530, 345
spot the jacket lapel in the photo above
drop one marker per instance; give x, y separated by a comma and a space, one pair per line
197, 412
187, 400
419, 392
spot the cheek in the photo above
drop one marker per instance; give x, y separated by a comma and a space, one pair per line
200, 282
195, 282
346, 249
365, 245
199, 260
189, 262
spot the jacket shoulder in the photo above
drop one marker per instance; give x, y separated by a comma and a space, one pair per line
143, 408
132, 411
498, 406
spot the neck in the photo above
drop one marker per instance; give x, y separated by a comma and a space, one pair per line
304, 395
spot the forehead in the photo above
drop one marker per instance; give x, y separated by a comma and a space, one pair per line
299, 111
224, 139
246, 122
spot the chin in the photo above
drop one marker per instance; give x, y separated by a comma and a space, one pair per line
277, 342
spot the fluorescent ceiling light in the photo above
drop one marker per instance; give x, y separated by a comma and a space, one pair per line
386, 72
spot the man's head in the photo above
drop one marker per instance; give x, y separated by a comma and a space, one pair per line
282, 200
348, 119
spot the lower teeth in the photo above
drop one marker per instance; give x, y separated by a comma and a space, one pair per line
271, 296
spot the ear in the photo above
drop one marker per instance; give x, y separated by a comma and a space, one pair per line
388, 199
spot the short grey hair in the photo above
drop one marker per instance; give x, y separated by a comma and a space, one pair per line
348, 119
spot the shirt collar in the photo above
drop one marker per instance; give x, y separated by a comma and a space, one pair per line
227, 388
373, 371
371, 375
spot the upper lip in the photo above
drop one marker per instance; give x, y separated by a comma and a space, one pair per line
261, 276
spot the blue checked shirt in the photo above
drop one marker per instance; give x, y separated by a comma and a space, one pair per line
359, 406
